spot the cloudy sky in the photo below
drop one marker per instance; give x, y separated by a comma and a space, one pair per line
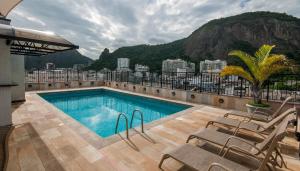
96, 24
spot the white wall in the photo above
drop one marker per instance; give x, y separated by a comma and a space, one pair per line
5, 78
18, 74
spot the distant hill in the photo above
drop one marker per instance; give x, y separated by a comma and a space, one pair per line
151, 55
215, 39
64, 59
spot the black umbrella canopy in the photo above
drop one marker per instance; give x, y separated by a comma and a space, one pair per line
33, 42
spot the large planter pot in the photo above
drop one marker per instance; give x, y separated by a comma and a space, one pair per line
251, 108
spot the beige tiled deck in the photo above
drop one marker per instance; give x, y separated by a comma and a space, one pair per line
46, 139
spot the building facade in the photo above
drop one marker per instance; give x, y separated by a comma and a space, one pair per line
175, 65
123, 64
212, 66
141, 68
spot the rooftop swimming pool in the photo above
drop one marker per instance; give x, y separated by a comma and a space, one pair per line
98, 109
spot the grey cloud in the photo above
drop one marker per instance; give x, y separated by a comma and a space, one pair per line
243, 3
96, 24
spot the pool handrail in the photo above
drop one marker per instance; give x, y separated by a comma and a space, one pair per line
117, 124
142, 118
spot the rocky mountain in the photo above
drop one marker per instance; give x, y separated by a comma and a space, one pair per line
64, 59
247, 32
215, 39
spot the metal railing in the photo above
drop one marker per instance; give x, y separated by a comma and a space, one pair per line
61, 75
276, 88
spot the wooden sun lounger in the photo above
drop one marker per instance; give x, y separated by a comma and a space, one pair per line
202, 160
225, 140
259, 114
250, 126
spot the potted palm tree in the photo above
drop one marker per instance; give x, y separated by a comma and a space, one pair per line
257, 71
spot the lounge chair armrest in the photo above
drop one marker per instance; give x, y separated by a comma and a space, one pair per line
257, 133
238, 127
240, 150
251, 115
264, 110
262, 113
239, 139
218, 165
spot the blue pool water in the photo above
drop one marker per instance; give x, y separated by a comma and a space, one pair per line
98, 109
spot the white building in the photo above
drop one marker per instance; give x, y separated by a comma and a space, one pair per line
212, 66
141, 68
171, 65
123, 64
79, 66
181, 72
177, 66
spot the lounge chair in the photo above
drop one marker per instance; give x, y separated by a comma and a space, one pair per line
226, 140
260, 114
200, 159
257, 128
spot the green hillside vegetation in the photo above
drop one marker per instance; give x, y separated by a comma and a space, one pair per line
150, 55
248, 17
64, 59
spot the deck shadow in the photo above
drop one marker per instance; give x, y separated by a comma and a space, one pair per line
145, 136
129, 142
26, 136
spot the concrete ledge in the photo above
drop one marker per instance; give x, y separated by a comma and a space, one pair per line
62, 85
226, 102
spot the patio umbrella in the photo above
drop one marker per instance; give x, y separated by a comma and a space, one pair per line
7, 5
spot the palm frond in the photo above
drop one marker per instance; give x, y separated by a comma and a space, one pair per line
274, 59
273, 64
249, 60
261, 66
274, 69
263, 52
238, 71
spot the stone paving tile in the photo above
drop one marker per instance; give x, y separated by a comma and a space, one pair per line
47, 139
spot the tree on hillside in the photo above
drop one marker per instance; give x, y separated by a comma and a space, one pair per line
105, 53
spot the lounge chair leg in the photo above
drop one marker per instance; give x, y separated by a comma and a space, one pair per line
209, 123
189, 138
269, 167
281, 158
274, 161
164, 157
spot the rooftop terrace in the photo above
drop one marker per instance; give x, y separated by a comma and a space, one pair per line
47, 139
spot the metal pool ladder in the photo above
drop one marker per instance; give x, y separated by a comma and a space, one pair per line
142, 118
117, 124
